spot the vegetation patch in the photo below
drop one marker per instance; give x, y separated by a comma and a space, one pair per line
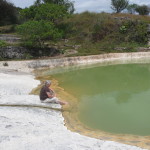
3, 43
107, 32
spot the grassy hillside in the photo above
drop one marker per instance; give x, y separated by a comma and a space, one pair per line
98, 33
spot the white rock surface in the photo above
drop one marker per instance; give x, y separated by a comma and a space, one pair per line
29, 128
105, 59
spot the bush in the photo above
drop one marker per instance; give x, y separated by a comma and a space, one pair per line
3, 43
48, 12
134, 31
67, 4
36, 32
143, 10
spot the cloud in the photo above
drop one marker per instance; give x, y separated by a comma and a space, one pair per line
139, 2
92, 5
101, 5
22, 3
84, 5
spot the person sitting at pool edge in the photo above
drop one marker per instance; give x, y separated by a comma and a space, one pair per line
47, 95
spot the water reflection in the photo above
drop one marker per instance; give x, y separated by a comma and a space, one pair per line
123, 97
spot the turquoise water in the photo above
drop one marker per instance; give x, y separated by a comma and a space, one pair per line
114, 98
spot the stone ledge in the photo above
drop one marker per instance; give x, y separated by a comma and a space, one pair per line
116, 58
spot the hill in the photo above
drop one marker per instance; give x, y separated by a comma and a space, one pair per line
90, 34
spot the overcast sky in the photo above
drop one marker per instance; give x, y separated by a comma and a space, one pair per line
83, 5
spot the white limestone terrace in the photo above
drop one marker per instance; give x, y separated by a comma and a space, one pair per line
35, 128
115, 58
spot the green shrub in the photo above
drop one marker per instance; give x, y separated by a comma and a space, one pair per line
134, 31
143, 10
140, 35
36, 32
67, 4
3, 43
123, 29
48, 12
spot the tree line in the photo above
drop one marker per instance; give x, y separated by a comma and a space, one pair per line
9, 14
120, 5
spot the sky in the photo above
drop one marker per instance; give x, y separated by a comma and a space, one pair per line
84, 5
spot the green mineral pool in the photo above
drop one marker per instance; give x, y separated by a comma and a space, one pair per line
114, 98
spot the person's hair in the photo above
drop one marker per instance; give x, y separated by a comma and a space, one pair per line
47, 82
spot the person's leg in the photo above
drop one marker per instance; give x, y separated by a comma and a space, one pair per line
62, 102
54, 100
57, 101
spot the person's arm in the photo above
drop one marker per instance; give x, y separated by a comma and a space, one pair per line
49, 95
53, 93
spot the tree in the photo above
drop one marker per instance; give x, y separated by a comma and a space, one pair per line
143, 10
43, 23
28, 13
8, 13
36, 32
48, 12
69, 6
119, 5
132, 8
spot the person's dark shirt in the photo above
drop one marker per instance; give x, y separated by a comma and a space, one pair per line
43, 93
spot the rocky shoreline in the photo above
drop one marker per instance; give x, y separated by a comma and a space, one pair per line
115, 58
